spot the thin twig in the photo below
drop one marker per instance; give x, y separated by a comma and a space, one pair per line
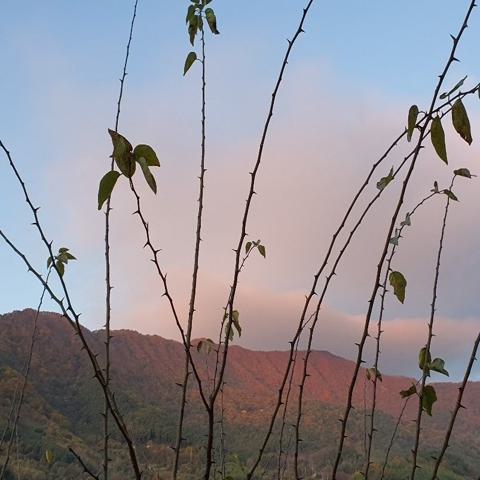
375, 377
86, 470
198, 239
425, 367
108, 284
458, 406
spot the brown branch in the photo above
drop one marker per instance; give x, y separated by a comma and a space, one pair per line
166, 293
394, 434
458, 406
383, 255
86, 470
108, 284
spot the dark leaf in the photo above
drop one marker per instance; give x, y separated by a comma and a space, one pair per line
261, 249
148, 174
463, 172
107, 184
408, 393
456, 87
438, 365
429, 397
384, 181
190, 13
122, 153
450, 195
399, 284
212, 20
191, 57
460, 121
412, 121
248, 246
438, 139
148, 153
60, 267
424, 360
236, 322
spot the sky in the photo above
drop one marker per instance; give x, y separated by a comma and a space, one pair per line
345, 96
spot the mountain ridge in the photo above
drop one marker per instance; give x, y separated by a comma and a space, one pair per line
146, 368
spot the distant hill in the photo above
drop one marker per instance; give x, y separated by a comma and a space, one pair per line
63, 408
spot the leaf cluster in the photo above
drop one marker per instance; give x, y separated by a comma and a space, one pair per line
126, 159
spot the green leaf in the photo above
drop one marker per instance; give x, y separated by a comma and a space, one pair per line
424, 360
399, 283
429, 397
122, 154
236, 322
407, 222
193, 28
456, 87
438, 365
460, 121
60, 267
450, 195
49, 262
263, 252
412, 121
408, 393
212, 20
49, 457
148, 153
148, 174
191, 57
248, 246
190, 13
463, 172
438, 139
384, 181
107, 184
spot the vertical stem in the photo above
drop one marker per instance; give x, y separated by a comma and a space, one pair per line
425, 372
379, 334
108, 283
198, 239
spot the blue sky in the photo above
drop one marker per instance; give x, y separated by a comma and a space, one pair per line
360, 64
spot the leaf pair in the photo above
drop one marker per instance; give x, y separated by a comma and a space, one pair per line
429, 396
426, 364
261, 248
461, 124
61, 259
126, 158
236, 323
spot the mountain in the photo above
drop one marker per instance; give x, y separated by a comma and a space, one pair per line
63, 405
